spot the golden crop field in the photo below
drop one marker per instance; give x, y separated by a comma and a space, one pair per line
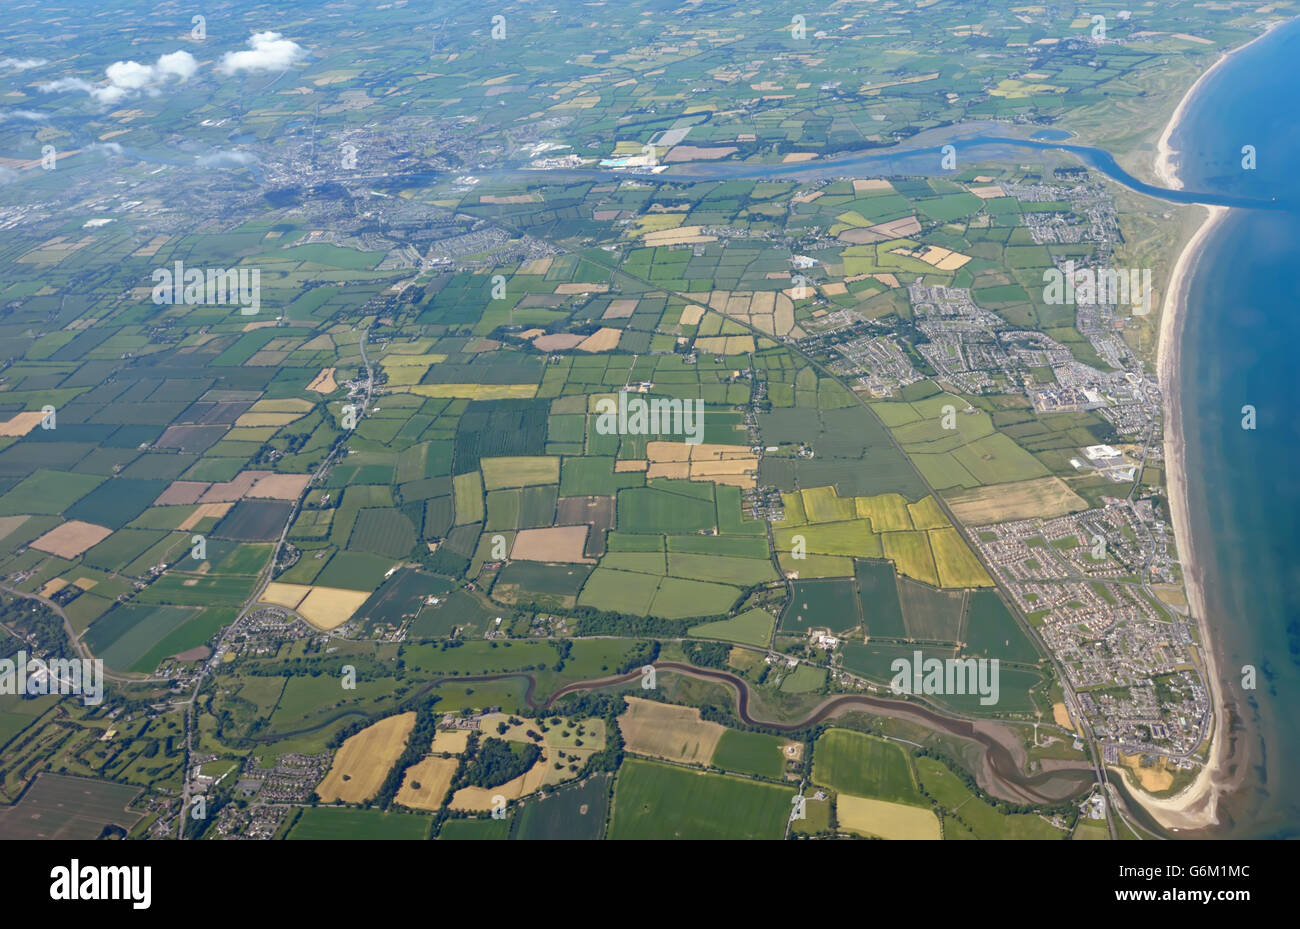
662, 730
885, 819
426, 783
362, 762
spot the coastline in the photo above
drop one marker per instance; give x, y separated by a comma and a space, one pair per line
1165, 170
1196, 806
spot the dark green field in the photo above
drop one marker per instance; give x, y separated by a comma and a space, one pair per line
878, 598
325, 823
572, 813
656, 801
482, 828
993, 632
749, 753
821, 604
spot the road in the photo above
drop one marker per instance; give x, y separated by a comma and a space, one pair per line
264, 579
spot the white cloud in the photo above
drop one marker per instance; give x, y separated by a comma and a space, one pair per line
267, 51
180, 65
8, 176
128, 78
22, 64
226, 159
28, 116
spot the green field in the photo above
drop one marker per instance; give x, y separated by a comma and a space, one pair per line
826, 604
749, 753
974, 814
325, 823
864, 766
480, 828
650, 509
656, 801
753, 627
576, 812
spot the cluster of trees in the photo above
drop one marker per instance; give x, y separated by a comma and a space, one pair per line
707, 654
368, 668
498, 761
643, 653
444, 561
36, 620
608, 707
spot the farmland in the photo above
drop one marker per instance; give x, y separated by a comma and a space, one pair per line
864, 766
655, 801
389, 499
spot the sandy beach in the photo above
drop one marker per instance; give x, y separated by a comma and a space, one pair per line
1165, 170
1195, 807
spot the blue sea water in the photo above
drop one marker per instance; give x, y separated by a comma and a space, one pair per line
1241, 347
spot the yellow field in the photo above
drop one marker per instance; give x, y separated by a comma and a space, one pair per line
538, 266
887, 512
519, 471
722, 464
71, 538
450, 741
1044, 497
656, 223
665, 731
955, 563
910, 553
279, 486
324, 607
202, 512
362, 762
9, 523
543, 773
582, 287
768, 312
602, 340
21, 423
286, 595
268, 419
886, 820
926, 514
473, 391
1062, 716
433, 777
283, 405
554, 544
824, 505
686, 235
53, 587
330, 607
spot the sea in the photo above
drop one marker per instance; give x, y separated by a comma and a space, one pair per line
1240, 353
